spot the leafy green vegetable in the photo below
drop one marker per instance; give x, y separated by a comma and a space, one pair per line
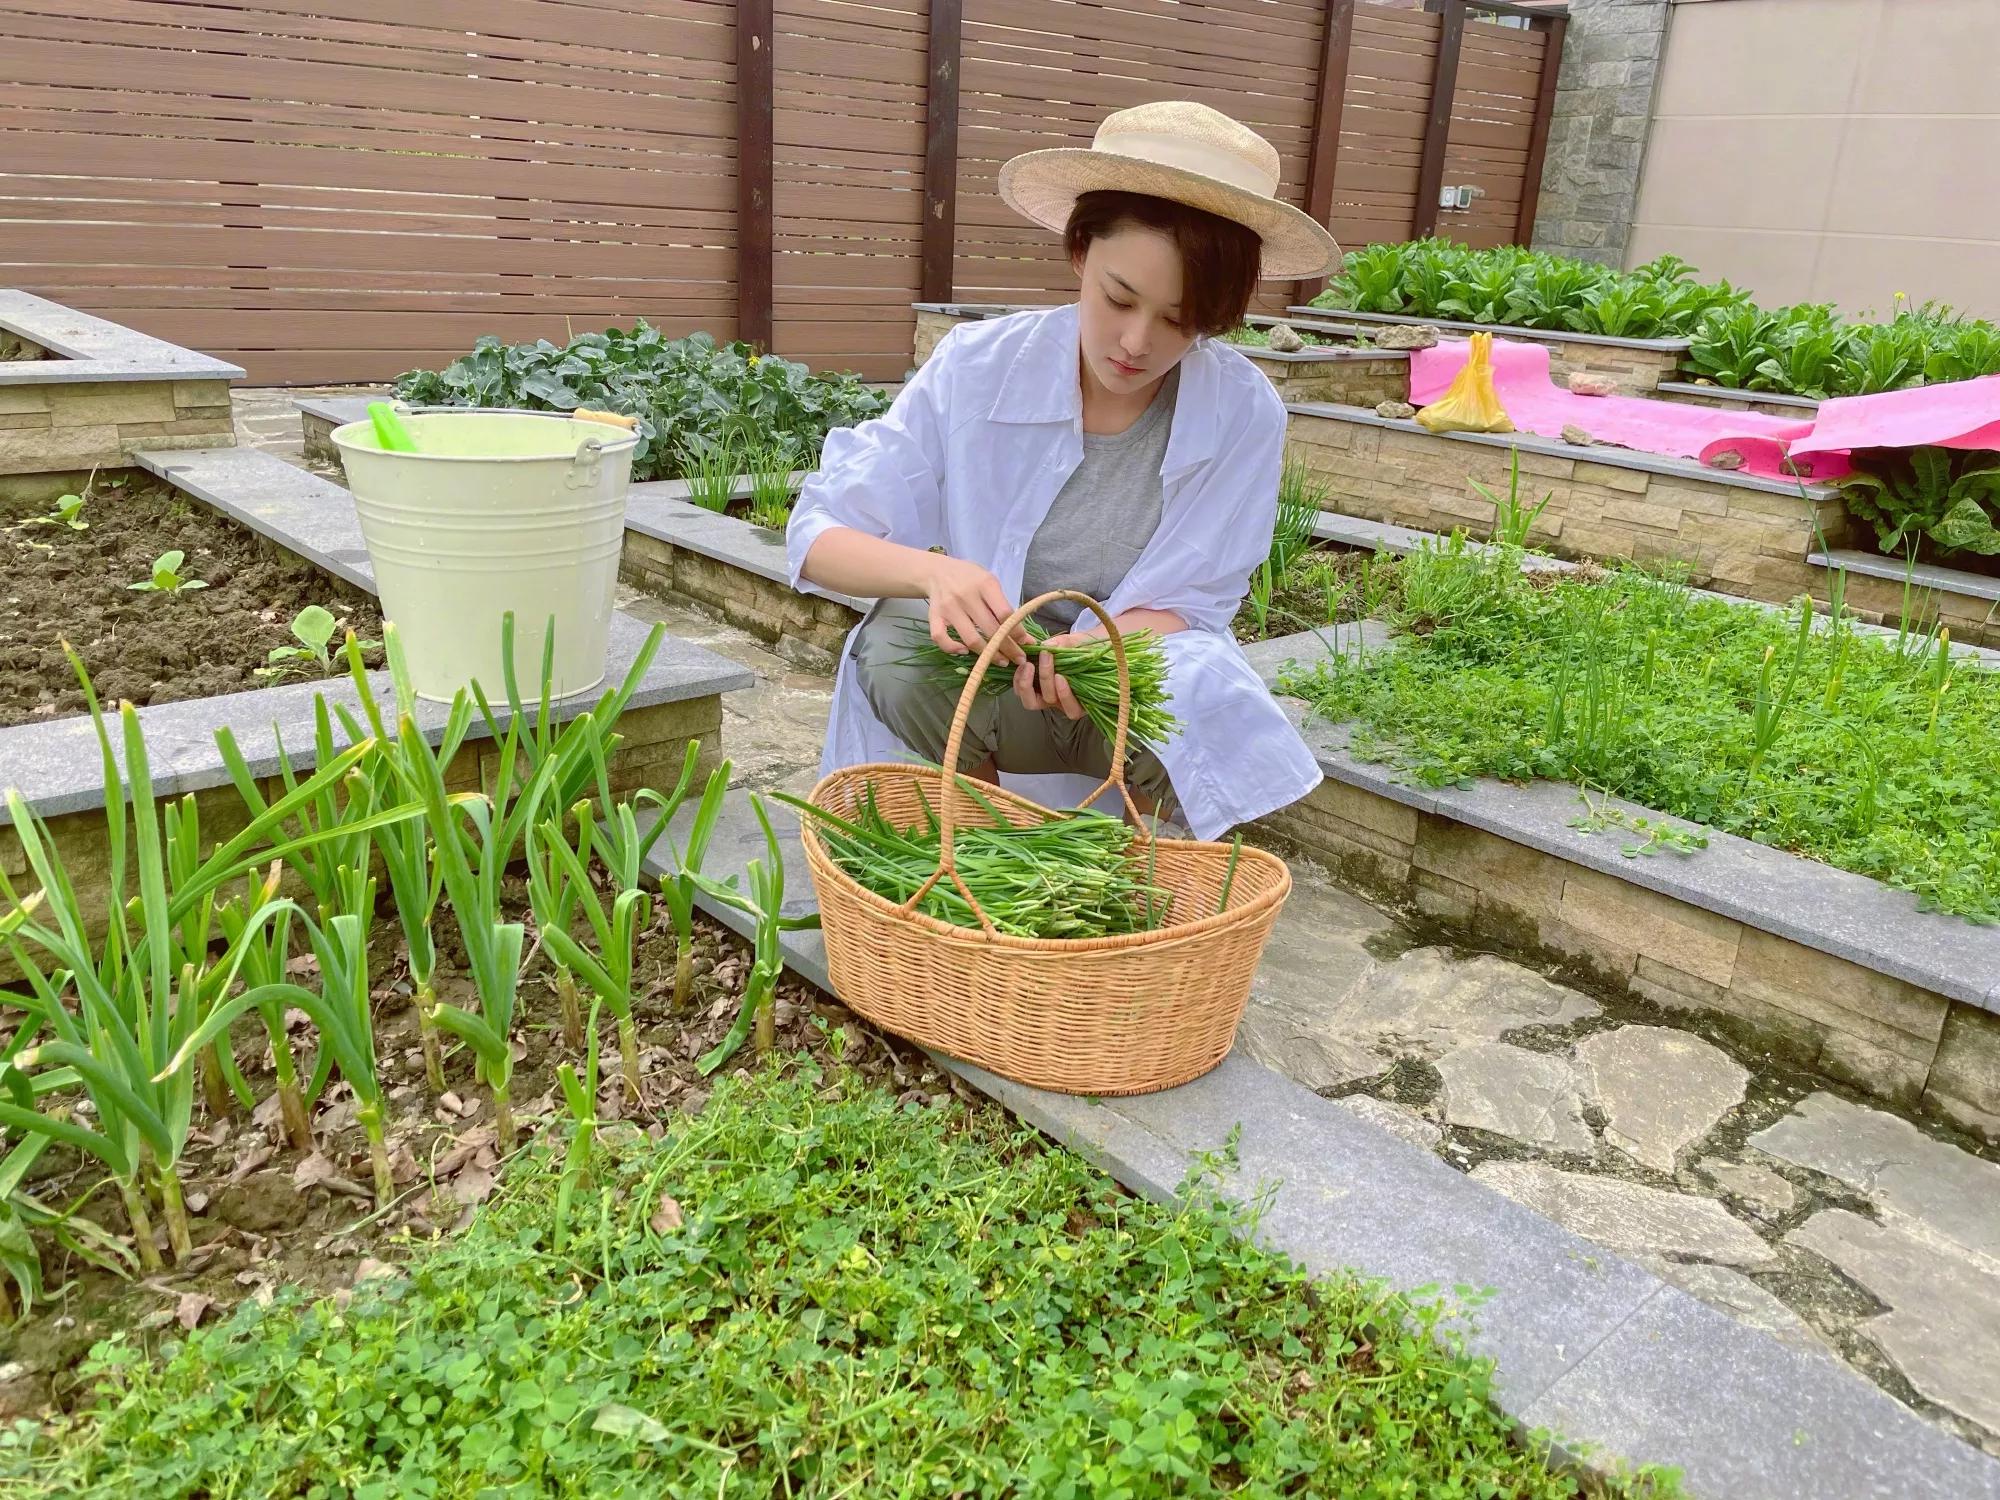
1950, 496
1805, 350
684, 392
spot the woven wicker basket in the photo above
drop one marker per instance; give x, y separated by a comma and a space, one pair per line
1116, 1015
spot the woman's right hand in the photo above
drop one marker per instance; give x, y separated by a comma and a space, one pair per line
967, 600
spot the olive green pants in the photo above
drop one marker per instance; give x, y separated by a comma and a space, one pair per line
1019, 740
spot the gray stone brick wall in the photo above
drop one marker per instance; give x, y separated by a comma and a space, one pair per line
1597, 134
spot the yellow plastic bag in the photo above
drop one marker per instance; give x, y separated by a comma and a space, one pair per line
1469, 405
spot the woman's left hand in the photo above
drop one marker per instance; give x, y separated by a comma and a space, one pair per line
1039, 686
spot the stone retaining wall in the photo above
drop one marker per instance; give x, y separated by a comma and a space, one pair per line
1972, 621
52, 436
805, 629
1346, 377
1357, 377
1739, 538
1636, 366
1883, 1036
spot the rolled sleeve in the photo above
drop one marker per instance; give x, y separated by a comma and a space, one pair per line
884, 477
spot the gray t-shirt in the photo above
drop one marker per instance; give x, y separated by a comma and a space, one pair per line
1104, 515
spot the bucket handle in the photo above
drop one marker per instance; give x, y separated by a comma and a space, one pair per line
585, 464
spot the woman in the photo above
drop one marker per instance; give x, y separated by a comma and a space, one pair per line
1112, 446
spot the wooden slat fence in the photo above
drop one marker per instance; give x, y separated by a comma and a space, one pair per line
333, 190
1043, 72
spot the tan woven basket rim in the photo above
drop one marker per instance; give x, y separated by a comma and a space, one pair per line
976, 937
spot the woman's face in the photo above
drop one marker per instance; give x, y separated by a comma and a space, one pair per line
1129, 312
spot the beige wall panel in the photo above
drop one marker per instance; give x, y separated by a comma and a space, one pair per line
1831, 150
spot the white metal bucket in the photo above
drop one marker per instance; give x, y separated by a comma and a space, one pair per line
497, 511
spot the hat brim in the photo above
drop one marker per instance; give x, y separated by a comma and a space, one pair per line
1043, 186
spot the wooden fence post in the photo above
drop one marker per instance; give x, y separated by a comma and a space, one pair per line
1323, 155
1444, 87
941, 151
1552, 29
755, 86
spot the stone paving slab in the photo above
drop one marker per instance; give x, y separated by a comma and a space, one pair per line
1746, 1417
1585, 1341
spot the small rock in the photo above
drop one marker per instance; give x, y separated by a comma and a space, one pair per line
1405, 336
1284, 339
197, 1201
666, 1218
1395, 411
1727, 458
1583, 383
452, 1102
1575, 435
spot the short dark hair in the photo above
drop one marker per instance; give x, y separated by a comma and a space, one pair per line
1219, 257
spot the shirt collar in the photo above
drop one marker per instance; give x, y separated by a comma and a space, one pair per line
1041, 386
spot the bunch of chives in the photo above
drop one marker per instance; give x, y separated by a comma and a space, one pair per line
1091, 669
1073, 876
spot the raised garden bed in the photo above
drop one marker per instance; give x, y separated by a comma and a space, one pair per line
94, 396
1832, 969
55, 765
1636, 365
1738, 533
1342, 368
153, 645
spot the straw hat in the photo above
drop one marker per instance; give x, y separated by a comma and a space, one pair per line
1183, 151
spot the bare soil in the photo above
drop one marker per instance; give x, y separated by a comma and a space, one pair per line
60, 585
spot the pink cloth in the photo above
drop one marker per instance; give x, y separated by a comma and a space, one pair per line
1959, 414
1645, 424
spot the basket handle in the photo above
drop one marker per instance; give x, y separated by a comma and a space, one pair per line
948, 792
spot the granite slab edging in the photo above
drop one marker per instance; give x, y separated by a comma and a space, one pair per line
1736, 395
661, 511
57, 765
1616, 458
1821, 907
1584, 1342
1505, 330
94, 349
1921, 575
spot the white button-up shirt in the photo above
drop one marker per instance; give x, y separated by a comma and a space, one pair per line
971, 456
